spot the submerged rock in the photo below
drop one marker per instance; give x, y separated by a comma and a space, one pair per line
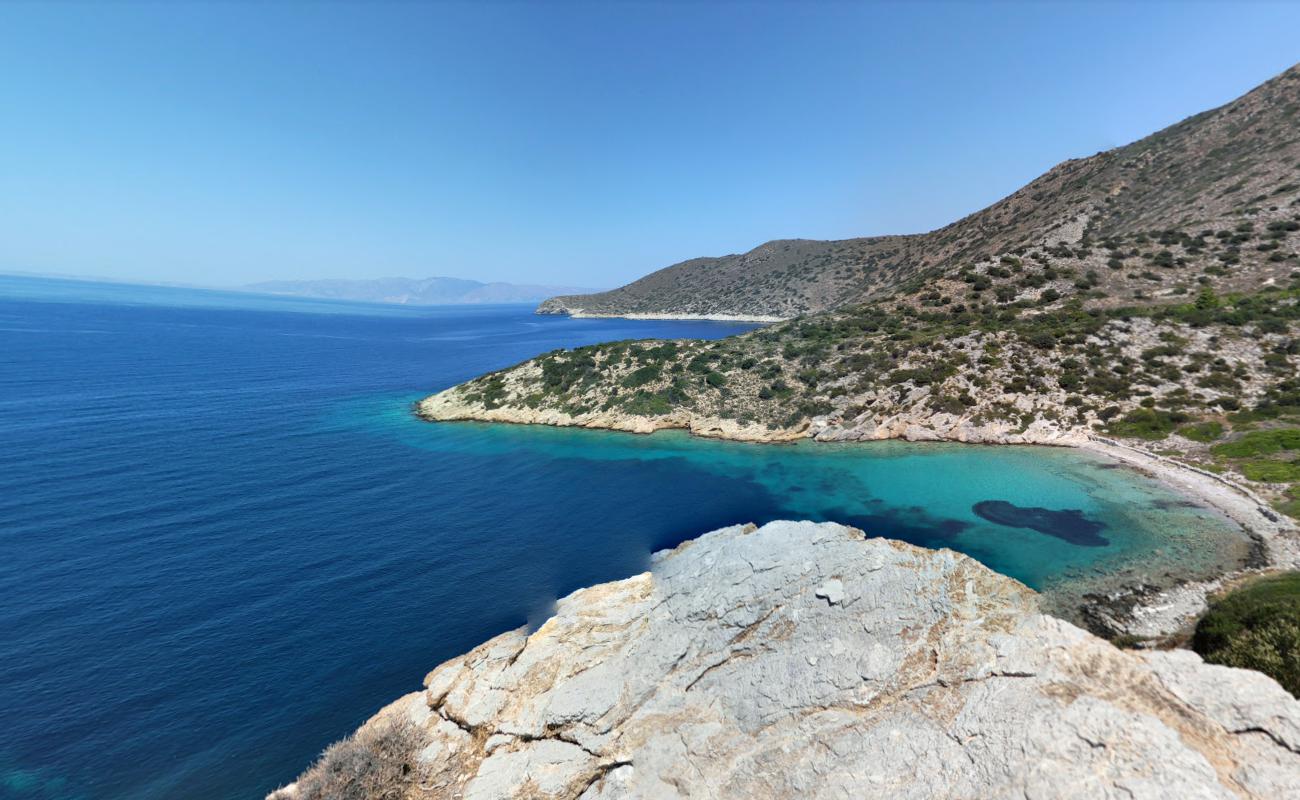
806, 660
1069, 525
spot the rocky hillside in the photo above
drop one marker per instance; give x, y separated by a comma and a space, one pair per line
802, 660
1208, 172
1013, 350
1189, 335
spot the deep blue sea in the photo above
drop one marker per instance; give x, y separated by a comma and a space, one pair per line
225, 541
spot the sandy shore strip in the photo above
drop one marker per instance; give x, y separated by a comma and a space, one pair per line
578, 313
1235, 500
1174, 611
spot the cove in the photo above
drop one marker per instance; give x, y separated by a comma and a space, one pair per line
227, 541
1034, 513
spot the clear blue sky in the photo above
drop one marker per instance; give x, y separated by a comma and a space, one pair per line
580, 144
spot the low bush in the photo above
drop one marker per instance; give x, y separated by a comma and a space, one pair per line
642, 375
375, 762
1147, 423
647, 404
1290, 505
1271, 471
948, 404
1202, 431
1256, 627
1259, 443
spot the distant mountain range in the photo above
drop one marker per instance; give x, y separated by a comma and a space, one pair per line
415, 291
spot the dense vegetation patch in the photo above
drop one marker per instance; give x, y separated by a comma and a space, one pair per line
1258, 443
1203, 432
1256, 627
1147, 423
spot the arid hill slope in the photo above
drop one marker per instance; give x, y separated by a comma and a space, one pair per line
1197, 173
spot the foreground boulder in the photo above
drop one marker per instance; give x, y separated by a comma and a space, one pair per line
805, 660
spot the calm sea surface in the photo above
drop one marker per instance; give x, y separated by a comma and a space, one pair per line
225, 542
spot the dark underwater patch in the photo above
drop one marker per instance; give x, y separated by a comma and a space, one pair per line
1068, 524
906, 524
1165, 505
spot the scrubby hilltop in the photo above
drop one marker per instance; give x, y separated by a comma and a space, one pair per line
1144, 292
1203, 171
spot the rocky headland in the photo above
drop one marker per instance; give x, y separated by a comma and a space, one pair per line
557, 305
808, 660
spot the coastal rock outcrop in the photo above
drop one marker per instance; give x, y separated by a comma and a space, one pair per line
450, 405
807, 660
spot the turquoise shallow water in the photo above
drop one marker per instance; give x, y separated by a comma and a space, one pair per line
924, 493
225, 541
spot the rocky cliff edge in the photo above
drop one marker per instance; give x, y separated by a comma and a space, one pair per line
807, 660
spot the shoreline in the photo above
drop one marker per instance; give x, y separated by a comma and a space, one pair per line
1169, 614
578, 313
1139, 611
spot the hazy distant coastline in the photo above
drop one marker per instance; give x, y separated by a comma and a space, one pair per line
415, 291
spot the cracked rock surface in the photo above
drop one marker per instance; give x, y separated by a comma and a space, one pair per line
806, 660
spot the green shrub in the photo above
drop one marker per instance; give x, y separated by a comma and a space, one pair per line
642, 375
1256, 627
1291, 504
948, 404
560, 372
1219, 380
1147, 423
1202, 431
779, 388
493, 392
1043, 340
1271, 471
921, 376
647, 404
1259, 443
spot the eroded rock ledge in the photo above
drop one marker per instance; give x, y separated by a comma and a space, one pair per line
806, 660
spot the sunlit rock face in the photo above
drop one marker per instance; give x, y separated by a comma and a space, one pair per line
807, 660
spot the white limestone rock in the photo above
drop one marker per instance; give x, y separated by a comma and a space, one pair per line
806, 660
